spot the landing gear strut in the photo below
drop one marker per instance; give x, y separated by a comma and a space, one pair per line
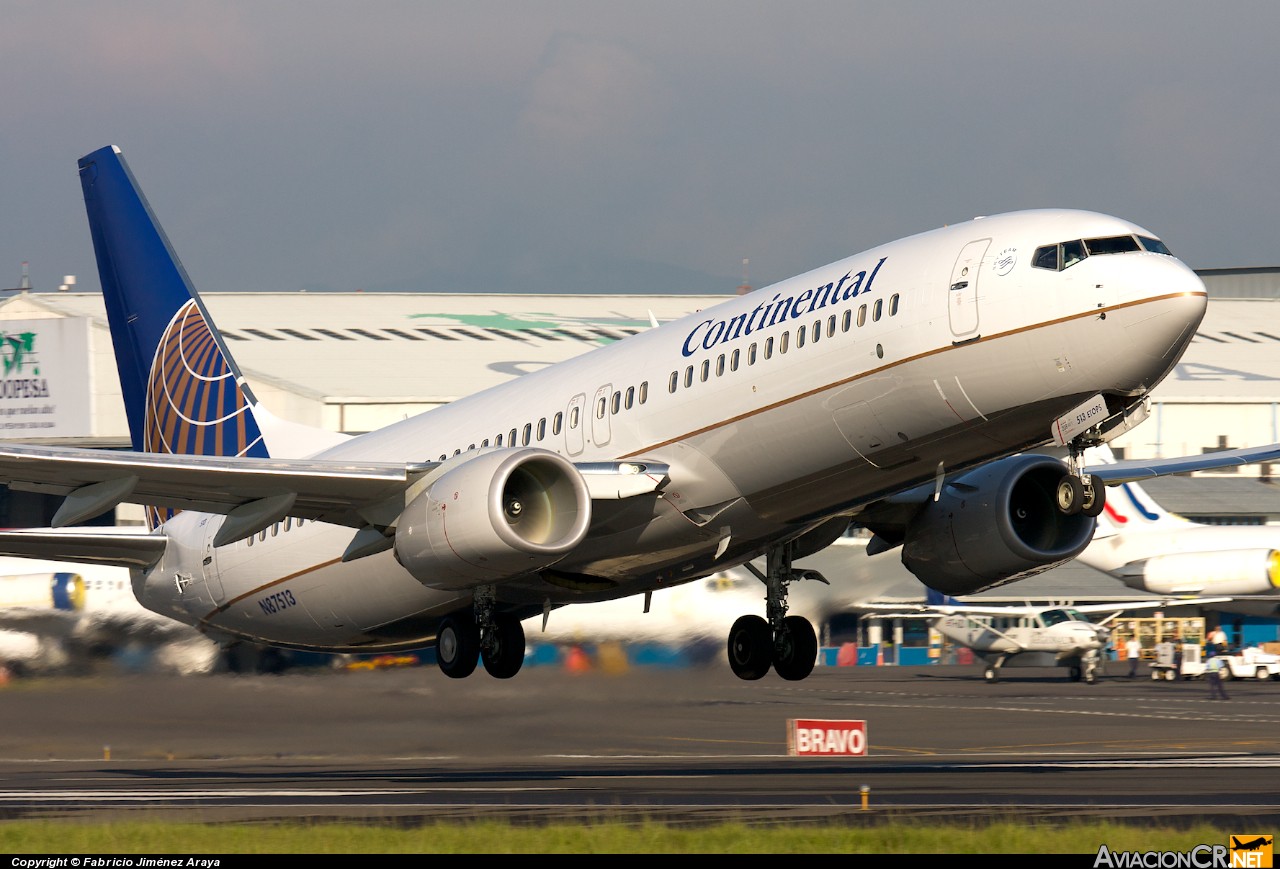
788, 643
1079, 492
465, 639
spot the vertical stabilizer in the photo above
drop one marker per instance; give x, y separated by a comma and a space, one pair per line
182, 390
183, 393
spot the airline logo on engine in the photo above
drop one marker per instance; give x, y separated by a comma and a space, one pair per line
819, 737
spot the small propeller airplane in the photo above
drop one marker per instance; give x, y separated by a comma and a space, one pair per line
1031, 636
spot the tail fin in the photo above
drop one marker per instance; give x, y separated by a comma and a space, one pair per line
182, 390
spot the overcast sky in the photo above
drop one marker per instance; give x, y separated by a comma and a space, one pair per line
626, 147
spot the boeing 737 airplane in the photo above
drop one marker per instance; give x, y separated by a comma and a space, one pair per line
902, 387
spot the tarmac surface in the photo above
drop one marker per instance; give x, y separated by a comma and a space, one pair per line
683, 745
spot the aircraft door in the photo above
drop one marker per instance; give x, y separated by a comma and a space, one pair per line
200, 590
600, 415
962, 297
574, 424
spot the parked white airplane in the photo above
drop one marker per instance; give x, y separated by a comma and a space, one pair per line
56, 615
902, 387
1031, 636
1148, 548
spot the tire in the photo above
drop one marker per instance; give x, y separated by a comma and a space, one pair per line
1093, 500
750, 647
1262, 675
1069, 495
795, 655
990, 674
458, 646
503, 654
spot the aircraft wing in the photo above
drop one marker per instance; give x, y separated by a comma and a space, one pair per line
1120, 607
898, 611
256, 489
96, 480
1132, 470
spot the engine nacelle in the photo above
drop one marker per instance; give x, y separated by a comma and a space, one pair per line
1243, 571
500, 514
993, 525
59, 591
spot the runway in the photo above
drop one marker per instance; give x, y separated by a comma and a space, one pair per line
683, 745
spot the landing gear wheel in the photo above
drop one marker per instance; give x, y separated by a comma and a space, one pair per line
1073, 674
797, 650
503, 650
750, 647
990, 674
1090, 675
458, 646
1094, 499
1069, 495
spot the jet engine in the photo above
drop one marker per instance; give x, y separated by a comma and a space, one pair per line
1237, 571
993, 525
499, 514
59, 591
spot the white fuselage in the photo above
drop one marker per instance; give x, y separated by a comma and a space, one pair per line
943, 349
1064, 638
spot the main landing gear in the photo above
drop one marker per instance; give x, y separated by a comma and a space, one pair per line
467, 638
787, 643
1078, 492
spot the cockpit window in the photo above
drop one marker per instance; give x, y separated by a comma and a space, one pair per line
1154, 245
1053, 617
1112, 244
1046, 258
1057, 257
1072, 253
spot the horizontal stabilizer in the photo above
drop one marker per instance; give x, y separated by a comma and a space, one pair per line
85, 546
